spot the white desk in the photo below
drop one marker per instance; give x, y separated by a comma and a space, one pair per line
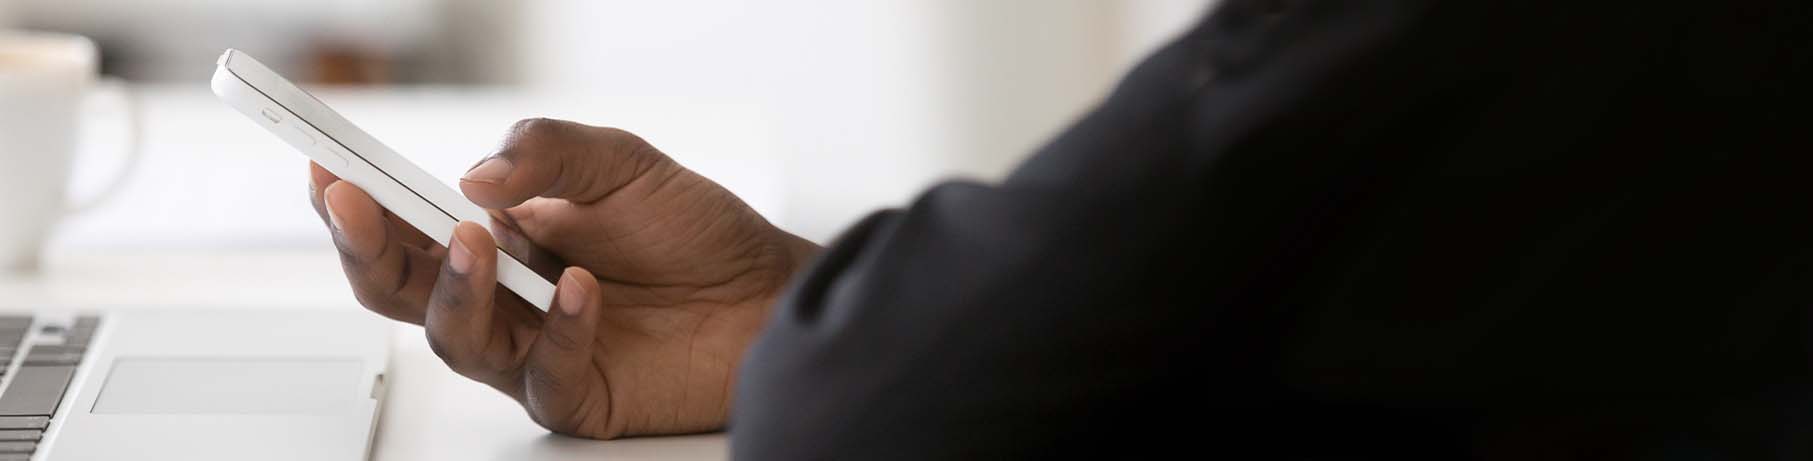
217, 217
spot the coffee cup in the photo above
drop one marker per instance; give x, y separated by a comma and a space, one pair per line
46, 83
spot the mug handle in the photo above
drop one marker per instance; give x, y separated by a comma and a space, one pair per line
134, 148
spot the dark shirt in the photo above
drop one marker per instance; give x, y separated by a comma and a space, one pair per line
1348, 230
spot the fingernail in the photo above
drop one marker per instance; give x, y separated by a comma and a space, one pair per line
572, 294
459, 257
333, 217
493, 171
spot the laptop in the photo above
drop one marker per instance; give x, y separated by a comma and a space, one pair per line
191, 385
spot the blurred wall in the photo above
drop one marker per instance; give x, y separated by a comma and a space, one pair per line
869, 102
874, 100
408, 41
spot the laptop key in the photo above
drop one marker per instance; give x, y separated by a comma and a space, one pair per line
18, 447
16, 435
78, 336
53, 358
54, 355
15, 457
85, 325
24, 422
36, 390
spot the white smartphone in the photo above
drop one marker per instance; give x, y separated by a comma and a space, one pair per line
356, 157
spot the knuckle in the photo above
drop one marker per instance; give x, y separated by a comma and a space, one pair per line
623, 142
450, 293
315, 198
457, 356
534, 124
618, 134
550, 419
570, 411
400, 280
441, 349
531, 138
368, 293
347, 258
538, 129
374, 287
562, 339
379, 305
369, 300
557, 425
542, 382
541, 388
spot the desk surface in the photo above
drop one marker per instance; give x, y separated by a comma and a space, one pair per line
431, 412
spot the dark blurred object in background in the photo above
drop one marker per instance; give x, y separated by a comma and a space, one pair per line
348, 64
352, 42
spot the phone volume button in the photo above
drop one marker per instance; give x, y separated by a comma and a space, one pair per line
307, 138
335, 155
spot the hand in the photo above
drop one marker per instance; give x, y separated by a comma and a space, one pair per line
672, 279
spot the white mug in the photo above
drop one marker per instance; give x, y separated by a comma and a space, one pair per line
45, 82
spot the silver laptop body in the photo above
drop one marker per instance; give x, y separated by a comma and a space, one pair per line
191, 385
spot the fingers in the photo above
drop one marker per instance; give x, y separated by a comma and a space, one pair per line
320, 178
462, 322
560, 159
562, 383
511, 239
387, 276
412, 237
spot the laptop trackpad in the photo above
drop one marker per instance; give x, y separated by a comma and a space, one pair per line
152, 385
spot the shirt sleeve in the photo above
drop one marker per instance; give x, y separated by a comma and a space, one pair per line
1337, 230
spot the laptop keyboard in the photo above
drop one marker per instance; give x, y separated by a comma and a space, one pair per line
35, 383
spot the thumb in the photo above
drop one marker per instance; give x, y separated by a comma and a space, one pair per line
560, 159
563, 383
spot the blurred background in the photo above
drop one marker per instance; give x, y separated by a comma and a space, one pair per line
815, 111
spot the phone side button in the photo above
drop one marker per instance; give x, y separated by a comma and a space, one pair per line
308, 139
334, 155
